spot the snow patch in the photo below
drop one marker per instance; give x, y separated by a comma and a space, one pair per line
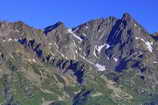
107, 46
147, 43
100, 67
149, 46
137, 38
84, 34
155, 62
115, 59
33, 60
80, 49
50, 44
3, 40
76, 51
9, 39
76, 29
99, 48
94, 51
86, 27
108, 58
135, 25
70, 31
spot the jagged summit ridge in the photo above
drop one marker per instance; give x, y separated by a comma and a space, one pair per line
110, 38
106, 60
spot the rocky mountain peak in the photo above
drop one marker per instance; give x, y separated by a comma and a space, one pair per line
126, 17
59, 25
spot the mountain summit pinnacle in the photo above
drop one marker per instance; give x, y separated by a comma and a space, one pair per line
52, 27
127, 17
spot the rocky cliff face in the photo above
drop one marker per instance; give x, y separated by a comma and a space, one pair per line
101, 62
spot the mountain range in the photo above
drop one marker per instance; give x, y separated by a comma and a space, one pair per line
106, 61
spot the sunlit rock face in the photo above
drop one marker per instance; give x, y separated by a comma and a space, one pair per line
106, 61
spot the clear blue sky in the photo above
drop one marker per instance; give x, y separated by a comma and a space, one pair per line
41, 13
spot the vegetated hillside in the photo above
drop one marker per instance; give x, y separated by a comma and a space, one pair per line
101, 62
